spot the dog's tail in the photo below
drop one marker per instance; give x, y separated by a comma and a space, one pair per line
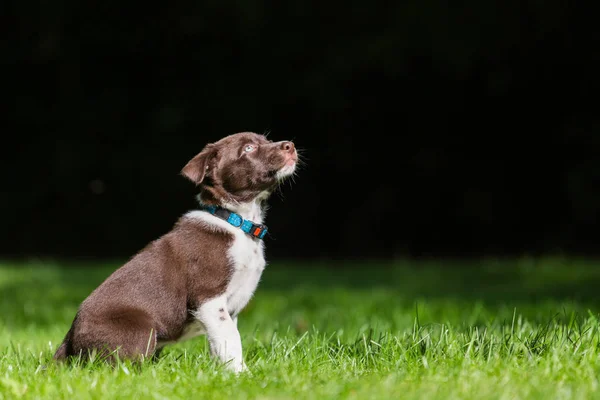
61, 352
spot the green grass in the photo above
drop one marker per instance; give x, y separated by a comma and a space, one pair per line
494, 329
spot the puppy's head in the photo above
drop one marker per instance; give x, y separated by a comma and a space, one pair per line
241, 167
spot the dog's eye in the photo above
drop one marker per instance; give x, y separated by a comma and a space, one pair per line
249, 148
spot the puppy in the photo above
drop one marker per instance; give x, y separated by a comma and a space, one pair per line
198, 277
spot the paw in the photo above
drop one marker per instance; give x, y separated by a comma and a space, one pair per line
237, 367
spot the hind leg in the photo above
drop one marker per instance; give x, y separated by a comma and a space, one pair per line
126, 333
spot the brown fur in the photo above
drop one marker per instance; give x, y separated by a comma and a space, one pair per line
147, 300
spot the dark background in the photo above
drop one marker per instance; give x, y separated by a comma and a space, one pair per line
427, 129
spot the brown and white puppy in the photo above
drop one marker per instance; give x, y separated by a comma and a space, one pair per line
198, 277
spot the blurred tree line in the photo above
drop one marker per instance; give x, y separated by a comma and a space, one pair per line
427, 128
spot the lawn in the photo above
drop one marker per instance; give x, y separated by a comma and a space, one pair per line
497, 329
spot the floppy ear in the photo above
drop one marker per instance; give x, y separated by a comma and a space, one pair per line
195, 170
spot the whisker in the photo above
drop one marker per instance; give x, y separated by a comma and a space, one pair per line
279, 192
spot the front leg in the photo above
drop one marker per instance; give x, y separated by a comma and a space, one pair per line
235, 319
223, 337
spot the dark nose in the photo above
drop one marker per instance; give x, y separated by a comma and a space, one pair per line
287, 146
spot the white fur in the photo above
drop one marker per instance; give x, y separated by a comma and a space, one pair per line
223, 336
246, 256
285, 171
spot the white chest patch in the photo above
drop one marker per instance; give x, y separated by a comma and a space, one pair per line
248, 262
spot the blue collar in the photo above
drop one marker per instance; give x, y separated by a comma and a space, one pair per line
255, 230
